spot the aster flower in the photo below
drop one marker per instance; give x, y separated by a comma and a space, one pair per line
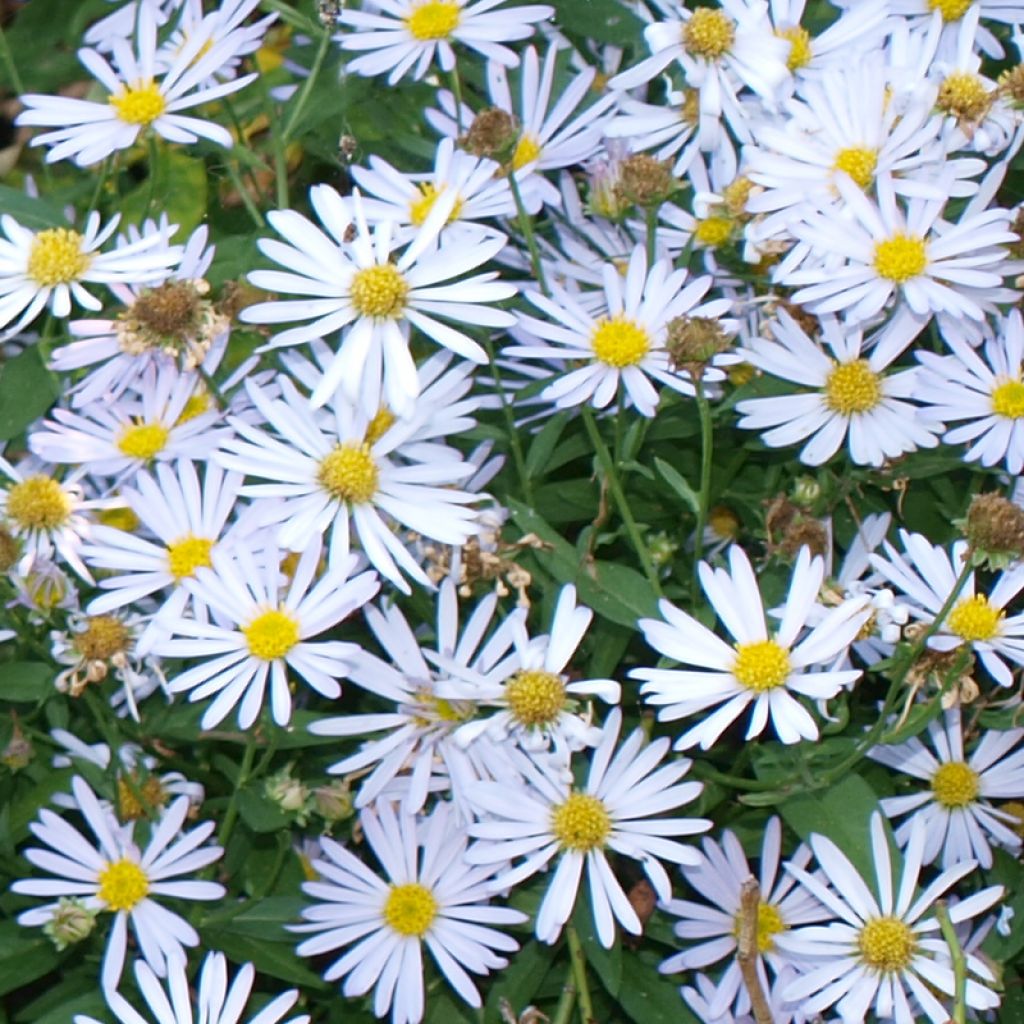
429, 896
615, 811
117, 876
881, 951
766, 670
950, 13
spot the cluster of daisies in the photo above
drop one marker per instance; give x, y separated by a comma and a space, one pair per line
787, 219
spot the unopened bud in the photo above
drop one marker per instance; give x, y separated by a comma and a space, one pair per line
18, 752
333, 802
71, 922
289, 794
806, 490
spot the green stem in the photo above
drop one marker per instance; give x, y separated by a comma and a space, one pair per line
251, 208
515, 444
231, 814
608, 466
956, 954
290, 15
152, 151
101, 180
567, 1000
7, 58
651, 220
526, 225
299, 103
212, 387
579, 967
457, 93
279, 145
707, 442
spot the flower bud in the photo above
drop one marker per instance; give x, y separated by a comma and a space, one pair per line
71, 922
333, 802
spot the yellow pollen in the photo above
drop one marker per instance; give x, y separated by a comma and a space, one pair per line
57, 257
886, 944
38, 503
800, 52
852, 388
535, 697
436, 19
271, 635
859, 162
381, 423
151, 794
950, 10
527, 150
139, 104
120, 518
582, 823
420, 207
123, 884
410, 909
142, 440
709, 34
103, 637
379, 292
713, 231
955, 784
620, 341
974, 619
349, 473
769, 924
964, 96
1008, 399
900, 258
195, 406
761, 665
188, 553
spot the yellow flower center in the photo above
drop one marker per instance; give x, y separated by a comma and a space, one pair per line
581, 823
1008, 399
761, 665
769, 924
188, 553
709, 34
955, 784
436, 19
142, 440
859, 162
620, 341
379, 291
103, 637
886, 944
123, 884
136, 799
736, 194
852, 388
420, 207
950, 10
800, 52
120, 518
534, 697
974, 619
349, 473
410, 909
57, 258
195, 406
38, 503
381, 423
527, 150
271, 635
963, 95
139, 104
713, 231
900, 258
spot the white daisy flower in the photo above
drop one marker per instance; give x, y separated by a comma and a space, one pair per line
950, 13
140, 97
117, 876
215, 1002
959, 818
429, 896
405, 35
766, 670
718, 878
927, 574
52, 266
669, 128
854, 399
615, 811
983, 386
269, 620
881, 952
352, 282
626, 339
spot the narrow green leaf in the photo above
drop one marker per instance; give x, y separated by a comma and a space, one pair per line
678, 483
27, 390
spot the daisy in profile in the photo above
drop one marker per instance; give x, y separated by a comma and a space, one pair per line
881, 951
266, 622
981, 388
359, 283
116, 876
853, 399
410, 35
215, 1002
428, 896
960, 820
764, 670
927, 574
615, 812
140, 97
51, 267
626, 336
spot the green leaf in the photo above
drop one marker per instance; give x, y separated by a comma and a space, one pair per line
260, 813
519, 982
272, 957
25, 954
543, 445
678, 483
26, 681
27, 390
179, 183
25, 806
606, 963
607, 21
646, 996
921, 715
29, 211
1008, 871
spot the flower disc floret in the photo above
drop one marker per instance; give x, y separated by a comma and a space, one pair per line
349, 473
709, 34
142, 440
123, 884
187, 554
951, 10
271, 635
56, 257
859, 162
900, 258
975, 619
769, 924
761, 665
410, 909
963, 96
436, 19
800, 52
135, 798
527, 150
139, 104
713, 231
38, 503
1008, 399
852, 388
379, 292
886, 944
423, 203
103, 637
535, 698
581, 823
955, 784
619, 341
